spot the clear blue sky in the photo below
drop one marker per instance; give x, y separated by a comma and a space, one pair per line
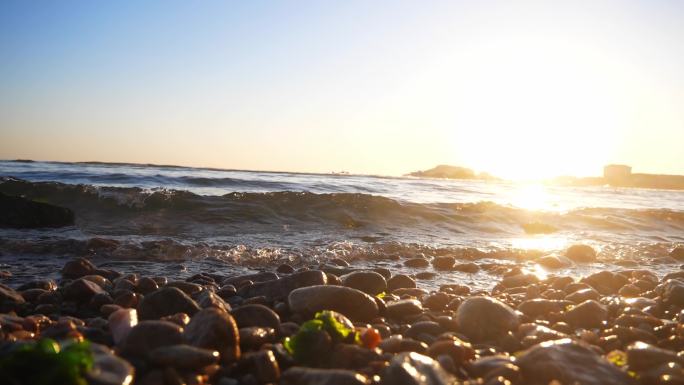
517, 88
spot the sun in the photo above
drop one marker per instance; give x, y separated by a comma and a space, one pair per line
529, 110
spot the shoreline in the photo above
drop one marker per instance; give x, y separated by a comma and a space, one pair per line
223, 326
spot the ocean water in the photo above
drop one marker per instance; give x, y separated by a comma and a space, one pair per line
173, 219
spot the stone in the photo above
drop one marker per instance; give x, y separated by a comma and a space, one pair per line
672, 292
581, 253
121, 322
146, 285
458, 350
589, 314
256, 277
108, 369
642, 356
445, 262
415, 369
22, 213
553, 262
421, 328
400, 281
78, 268
568, 362
582, 295
677, 253
9, 299
352, 303
518, 280
183, 357
263, 365
403, 308
149, 335
188, 288
539, 307
209, 299
81, 290
368, 282
166, 301
281, 288
285, 269
252, 338
417, 263
485, 318
398, 344
256, 315
468, 267
309, 376
216, 330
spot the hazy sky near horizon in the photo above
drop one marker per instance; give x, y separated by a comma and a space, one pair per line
516, 88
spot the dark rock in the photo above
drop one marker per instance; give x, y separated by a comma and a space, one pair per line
81, 290
78, 268
166, 301
44, 284
420, 328
108, 369
368, 282
458, 350
309, 376
352, 303
540, 306
672, 292
149, 335
18, 212
582, 295
415, 369
400, 281
257, 277
285, 269
568, 362
642, 356
209, 299
9, 299
677, 253
397, 344
215, 330
403, 308
188, 288
425, 275
445, 262
263, 365
469, 267
581, 253
281, 288
589, 314
518, 280
256, 315
553, 262
183, 357
252, 338
146, 285
485, 318
417, 263
437, 301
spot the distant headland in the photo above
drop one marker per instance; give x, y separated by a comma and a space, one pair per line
452, 172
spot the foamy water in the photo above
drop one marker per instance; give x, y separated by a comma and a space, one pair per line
160, 214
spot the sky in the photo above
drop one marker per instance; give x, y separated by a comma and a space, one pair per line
520, 89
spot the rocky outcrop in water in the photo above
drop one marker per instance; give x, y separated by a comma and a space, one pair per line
18, 212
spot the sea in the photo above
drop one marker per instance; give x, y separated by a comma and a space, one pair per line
178, 221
